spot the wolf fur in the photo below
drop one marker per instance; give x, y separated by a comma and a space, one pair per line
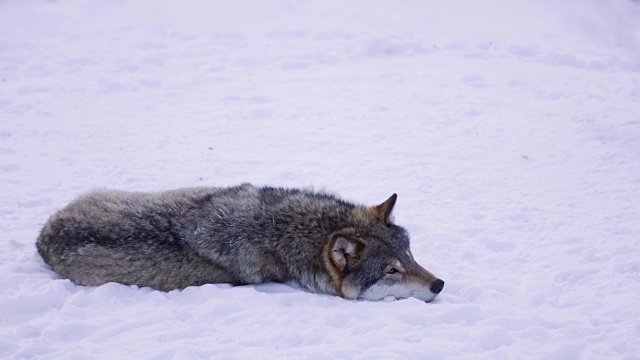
239, 235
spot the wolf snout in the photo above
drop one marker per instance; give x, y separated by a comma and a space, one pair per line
437, 286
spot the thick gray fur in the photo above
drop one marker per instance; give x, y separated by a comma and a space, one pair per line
238, 235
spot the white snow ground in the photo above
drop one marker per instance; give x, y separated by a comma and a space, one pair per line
509, 129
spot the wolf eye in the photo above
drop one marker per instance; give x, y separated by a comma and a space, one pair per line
392, 271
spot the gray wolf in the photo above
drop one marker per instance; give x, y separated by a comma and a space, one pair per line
238, 235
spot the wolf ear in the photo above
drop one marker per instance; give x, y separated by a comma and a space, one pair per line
382, 211
345, 252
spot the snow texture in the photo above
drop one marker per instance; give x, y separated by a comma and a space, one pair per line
509, 129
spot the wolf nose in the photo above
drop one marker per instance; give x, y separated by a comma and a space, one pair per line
437, 286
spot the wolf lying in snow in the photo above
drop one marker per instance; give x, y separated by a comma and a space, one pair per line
239, 235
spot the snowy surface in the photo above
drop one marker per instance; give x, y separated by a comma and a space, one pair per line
509, 129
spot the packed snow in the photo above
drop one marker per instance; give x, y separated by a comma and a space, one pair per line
509, 129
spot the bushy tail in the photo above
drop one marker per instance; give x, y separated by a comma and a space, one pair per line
43, 243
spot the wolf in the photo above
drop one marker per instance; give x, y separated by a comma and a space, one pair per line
239, 235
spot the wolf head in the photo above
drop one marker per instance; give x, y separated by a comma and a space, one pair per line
372, 260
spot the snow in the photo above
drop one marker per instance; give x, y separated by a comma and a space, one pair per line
509, 129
